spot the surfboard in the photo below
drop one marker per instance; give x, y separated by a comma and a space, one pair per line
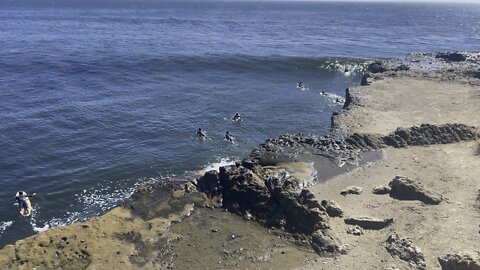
27, 200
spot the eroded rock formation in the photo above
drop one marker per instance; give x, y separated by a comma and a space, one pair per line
404, 188
404, 249
273, 200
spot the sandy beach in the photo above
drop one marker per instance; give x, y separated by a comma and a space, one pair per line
187, 229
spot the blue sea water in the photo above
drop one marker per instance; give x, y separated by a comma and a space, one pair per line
95, 99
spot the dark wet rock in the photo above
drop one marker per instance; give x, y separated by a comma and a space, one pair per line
473, 73
351, 190
402, 67
404, 249
249, 163
461, 261
369, 223
276, 201
348, 99
404, 188
332, 208
377, 67
426, 134
210, 183
332, 147
451, 56
364, 81
355, 230
381, 190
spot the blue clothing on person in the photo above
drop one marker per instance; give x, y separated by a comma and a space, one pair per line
21, 201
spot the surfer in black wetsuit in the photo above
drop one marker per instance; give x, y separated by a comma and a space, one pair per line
228, 137
21, 202
300, 85
237, 117
201, 133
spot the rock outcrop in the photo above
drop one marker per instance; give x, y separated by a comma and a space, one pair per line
461, 261
381, 190
348, 99
364, 81
404, 188
451, 56
369, 223
274, 200
355, 230
377, 67
426, 134
351, 190
332, 208
404, 249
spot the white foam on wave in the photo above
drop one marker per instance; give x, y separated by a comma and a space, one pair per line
347, 68
89, 202
4, 225
103, 197
215, 166
41, 229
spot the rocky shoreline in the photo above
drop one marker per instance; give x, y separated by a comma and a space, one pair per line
322, 217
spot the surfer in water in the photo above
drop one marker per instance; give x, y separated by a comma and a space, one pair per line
228, 137
22, 203
201, 133
237, 117
300, 85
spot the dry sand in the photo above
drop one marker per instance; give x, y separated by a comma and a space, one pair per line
213, 239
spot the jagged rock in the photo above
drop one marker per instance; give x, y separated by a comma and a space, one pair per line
381, 190
210, 183
404, 188
365, 141
244, 190
161, 199
364, 81
277, 201
351, 190
355, 230
376, 67
332, 208
404, 249
402, 67
473, 73
461, 261
369, 223
451, 56
424, 134
324, 242
348, 99
427, 134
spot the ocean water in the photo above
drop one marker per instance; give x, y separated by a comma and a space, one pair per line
95, 99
